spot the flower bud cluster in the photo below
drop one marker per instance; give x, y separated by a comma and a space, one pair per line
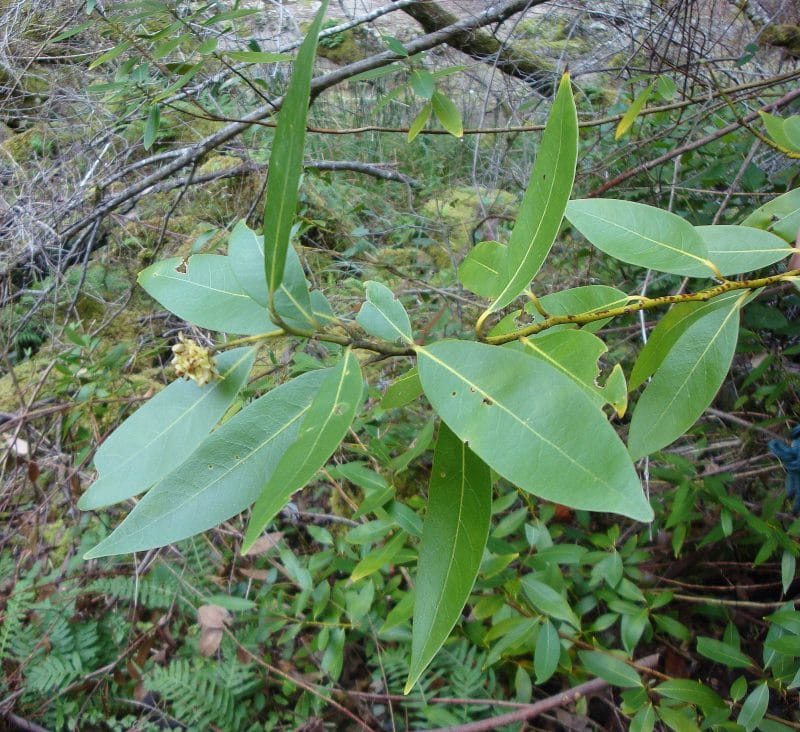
192, 361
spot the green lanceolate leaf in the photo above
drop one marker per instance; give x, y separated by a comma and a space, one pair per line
383, 316
666, 334
292, 301
453, 538
545, 199
575, 353
482, 270
324, 426
611, 669
222, 477
547, 652
286, 160
533, 425
419, 122
737, 249
781, 216
204, 291
691, 692
549, 602
164, 431
151, 126
686, 381
447, 113
642, 235
775, 129
379, 558
754, 707
632, 112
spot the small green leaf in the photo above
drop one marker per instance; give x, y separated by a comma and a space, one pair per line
644, 720
419, 121
576, 300
781, 216
754, 707
530, 423
632, 112
330, 415
686, 381
788, 566
447, 113
775, 129
257, 57
642, 235
788, 645
737, 249
204, 291
611, 669
151, 126
723, 653
111, 54
404, 390
691, 692
453, 538
547, 601
222, 477
286, 160
395, 46
234, 604
163, 432
546, 197
791, 130
547, 652
482, 269
378, 558
383, 316
422, 83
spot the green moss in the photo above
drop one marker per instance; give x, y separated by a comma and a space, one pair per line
34, 142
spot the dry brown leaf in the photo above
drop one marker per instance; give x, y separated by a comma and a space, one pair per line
213, 617
209, 642
256, 574
264, 543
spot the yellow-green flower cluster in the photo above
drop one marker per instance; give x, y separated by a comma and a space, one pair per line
192, 361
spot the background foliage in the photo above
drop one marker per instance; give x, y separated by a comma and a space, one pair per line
124, 145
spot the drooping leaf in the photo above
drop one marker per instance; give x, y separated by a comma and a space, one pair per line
686, 381
545, 199
691, 692
754, 707
642, 235
419, 122
781, 216
204, 291
533, 425
611, 669
163, 432
549, 602
405, 389
447, 113
482, 269
286, 160
151, 126
324, 426
292, 301
722, 652
666, 334
222, 477
632, 112
453, 538
575, 353
422, 82
378, 558
737, 249
383, 315
547, 652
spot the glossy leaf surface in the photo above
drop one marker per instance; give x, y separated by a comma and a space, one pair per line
286, 160
324, 426
642, 235
781, 216
383, 315
737, 249
586, 299
164, 431
611, 669
686, 381
204, 291
530, 423
549, 188
453, 538
447, 113
222, 477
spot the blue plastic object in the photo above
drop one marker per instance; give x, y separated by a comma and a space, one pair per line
789, 455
